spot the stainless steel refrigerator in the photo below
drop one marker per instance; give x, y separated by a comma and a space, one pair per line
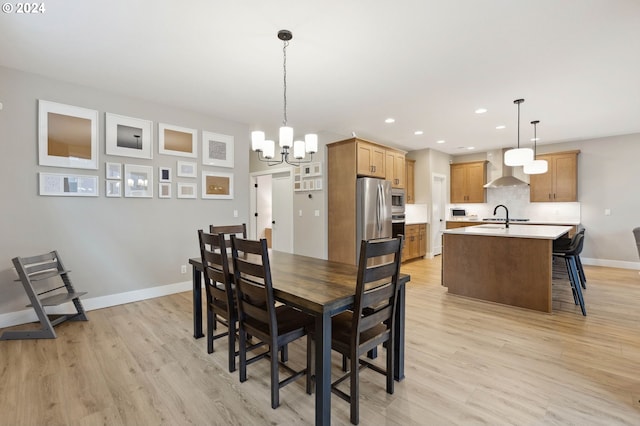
373, 210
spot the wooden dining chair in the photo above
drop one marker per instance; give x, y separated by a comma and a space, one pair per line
258, 314
221, 305
228, 230
372, 320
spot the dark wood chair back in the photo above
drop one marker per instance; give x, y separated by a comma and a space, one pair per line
215, 265
228, 230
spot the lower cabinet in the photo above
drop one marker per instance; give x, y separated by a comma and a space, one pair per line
415, 241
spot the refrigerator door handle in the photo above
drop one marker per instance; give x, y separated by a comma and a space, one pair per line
379, 213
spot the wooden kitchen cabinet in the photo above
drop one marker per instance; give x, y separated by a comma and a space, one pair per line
560, 183
394, 172
461, 224
371, 160
415, 239
409, 167
467, 182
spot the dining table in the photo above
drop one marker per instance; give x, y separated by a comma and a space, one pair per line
321, 288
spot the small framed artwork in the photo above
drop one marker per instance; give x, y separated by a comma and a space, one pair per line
138, 181
113, 171
164, 174
164, 190
67, 136
175, 140
217, 149
68, 185
128, 137
187, 169
217, 185
186, 190
113, 188
318, 184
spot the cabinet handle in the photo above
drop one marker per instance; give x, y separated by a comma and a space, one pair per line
549, 196
554, 195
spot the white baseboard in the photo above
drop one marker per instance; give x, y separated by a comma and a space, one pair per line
29, 315
610, 263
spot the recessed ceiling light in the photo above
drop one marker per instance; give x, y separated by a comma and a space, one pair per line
390, 120
471, 147
535, 139
500, 127
481, 110
418, 132
440, 141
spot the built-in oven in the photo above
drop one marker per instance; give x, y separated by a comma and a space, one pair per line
397, 224
397, 200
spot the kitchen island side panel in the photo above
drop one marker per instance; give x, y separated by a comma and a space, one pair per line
511, 271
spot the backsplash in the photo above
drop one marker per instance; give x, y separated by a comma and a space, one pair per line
516, 198
416, 213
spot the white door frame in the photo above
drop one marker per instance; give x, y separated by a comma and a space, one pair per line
253, 232
441, 198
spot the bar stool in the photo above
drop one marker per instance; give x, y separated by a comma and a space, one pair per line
563, 244
570, 256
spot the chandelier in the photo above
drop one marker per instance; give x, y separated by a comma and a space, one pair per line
266, 148
535, 167
518, 156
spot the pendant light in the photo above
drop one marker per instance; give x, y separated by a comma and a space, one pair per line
535, 167
518, 156
266, 148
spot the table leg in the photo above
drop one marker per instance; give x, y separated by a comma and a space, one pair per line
323, 369
398, 368
197, 302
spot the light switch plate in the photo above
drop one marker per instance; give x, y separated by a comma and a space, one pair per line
317, 213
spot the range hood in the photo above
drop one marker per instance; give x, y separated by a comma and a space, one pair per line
507, 178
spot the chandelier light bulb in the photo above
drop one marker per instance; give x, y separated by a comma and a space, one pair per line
257, 140
269, 149
298, 150
286, 137
311, 143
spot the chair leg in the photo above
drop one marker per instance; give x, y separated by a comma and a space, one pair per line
232, 345
284, 353
583, 278
344, 363
210, 329
275, 381
243, 355
576, 283
310, 364
355, 389
567, 262
390, 359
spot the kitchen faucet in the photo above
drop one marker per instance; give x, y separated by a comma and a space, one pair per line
506, 224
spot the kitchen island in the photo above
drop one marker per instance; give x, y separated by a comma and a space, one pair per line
510, 265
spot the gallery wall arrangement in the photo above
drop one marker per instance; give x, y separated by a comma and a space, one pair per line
68, 137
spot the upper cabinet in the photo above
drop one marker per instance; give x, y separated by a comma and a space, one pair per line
467, 182
371, 160
560, 183
395, 168
410, 166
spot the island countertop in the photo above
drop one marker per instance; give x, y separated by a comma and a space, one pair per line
545, 232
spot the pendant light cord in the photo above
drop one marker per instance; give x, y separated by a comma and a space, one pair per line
518, 125
284, 66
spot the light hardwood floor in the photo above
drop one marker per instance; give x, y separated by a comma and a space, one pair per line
467, 362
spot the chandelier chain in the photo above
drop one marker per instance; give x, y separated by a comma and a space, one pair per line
284, 66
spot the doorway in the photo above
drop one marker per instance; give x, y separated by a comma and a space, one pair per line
438, 213
272, 206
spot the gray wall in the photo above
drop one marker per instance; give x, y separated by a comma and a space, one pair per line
112, 245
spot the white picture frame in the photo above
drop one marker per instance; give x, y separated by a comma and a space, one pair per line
187, 169
128, 136
164, 190
217, 185
67, 136
68, 185
138, 181
164, 174
187, 190
217, 149
176, 140
113, 188
113, 170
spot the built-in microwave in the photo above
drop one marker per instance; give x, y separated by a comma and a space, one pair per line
397, 200
457, 213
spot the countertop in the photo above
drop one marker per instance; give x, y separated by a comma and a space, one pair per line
420, 222
546, 232
529, 222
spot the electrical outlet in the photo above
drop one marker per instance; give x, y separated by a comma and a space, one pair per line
183, 269
317, 213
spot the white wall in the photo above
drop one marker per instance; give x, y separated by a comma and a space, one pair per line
112, 245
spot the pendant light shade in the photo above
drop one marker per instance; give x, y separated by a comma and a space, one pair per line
518, 156
535, 167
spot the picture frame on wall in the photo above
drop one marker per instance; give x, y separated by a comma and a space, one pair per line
176, 140
164, 190
138, 181
217, 149
113, 188
187, 169
164, 174
128, 136
217, 185
113, 170
67, 136
68, 185
187, 190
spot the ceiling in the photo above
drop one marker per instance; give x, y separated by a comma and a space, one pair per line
428, 64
